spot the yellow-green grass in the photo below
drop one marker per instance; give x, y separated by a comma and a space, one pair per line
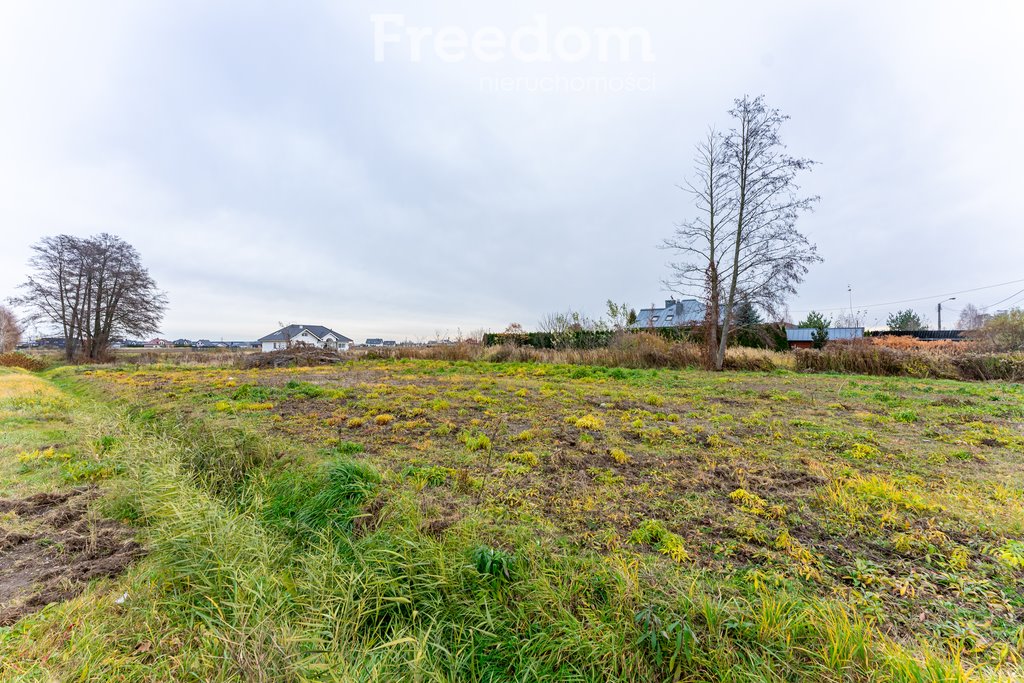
542, 522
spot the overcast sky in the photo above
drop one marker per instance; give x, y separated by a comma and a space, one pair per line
334, 163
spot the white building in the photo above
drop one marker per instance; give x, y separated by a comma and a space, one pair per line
305, 335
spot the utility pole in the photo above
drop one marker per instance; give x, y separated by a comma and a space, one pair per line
952, 298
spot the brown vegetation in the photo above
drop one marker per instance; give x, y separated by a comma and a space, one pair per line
637, 350
949, 360
22, 360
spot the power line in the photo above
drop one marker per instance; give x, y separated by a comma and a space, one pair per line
985, 308
922, 298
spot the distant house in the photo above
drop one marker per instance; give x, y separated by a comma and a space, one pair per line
376, 341
307, 335
158, 344
673, 314
389, 342
182, 342
51, 342
800, 337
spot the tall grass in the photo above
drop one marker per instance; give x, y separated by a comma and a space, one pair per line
640, 350
943, 361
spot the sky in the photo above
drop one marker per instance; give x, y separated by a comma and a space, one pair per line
416, 170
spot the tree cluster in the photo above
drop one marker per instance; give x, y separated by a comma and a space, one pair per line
1003, 331
91, 289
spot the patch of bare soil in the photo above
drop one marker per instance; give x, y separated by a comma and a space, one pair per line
294, 357
51, 548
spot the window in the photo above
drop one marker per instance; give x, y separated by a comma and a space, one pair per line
668, 318
654, 319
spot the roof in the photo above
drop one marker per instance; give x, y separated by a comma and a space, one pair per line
803, 334
674, 314
291, 331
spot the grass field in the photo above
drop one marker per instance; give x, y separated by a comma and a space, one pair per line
427, 520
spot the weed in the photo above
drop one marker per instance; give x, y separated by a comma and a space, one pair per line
755, 504
523, 457
652, 532
493, 562
619, 456
604, 476
348, 448
863, 451
476, 441
591, 422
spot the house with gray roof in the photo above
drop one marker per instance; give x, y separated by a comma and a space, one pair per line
304, 335
674, 314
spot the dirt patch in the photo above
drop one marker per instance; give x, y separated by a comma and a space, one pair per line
368, 520
294, 357
51, 548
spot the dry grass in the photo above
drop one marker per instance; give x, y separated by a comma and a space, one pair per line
634, 351
22, 360
22, 385
944, 360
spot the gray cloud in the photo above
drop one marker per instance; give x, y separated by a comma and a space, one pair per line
269, 169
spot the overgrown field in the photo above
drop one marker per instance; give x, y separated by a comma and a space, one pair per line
429, 520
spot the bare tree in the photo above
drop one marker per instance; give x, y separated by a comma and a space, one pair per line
702, 241
91, 288
743, 245
851, 319
10, 330
971, 318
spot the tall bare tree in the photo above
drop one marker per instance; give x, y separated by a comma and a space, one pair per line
743, 244
10, 330
971, 318
91, 288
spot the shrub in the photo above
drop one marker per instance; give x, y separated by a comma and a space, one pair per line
865, 358
1004, 331
15, 359
990, 366
944, 360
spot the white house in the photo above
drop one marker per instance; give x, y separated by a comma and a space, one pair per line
305, 335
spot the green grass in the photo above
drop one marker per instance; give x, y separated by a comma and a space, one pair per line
762, 527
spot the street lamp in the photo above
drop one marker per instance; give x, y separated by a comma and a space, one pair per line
952, 298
